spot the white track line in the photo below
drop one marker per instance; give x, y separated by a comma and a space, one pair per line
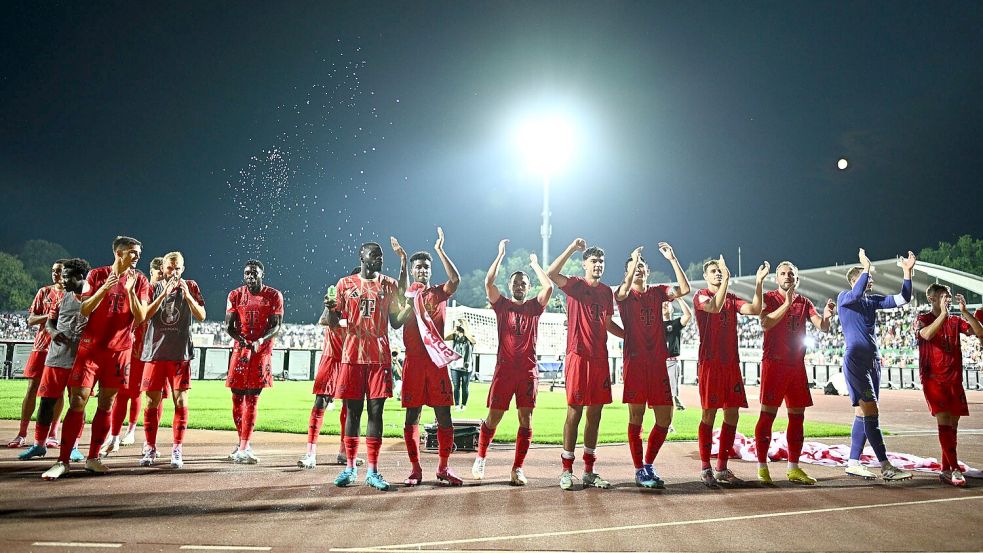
224, 548
404, 546
76, 544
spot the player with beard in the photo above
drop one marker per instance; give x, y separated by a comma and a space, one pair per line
114, 301
64, 326
425, 380
783, 368
131, 394
254, 316
719, 366
516, 371
324, 386
940, 364
857, 309
645, 354
370, 302
167, 353
590, 306
37, 315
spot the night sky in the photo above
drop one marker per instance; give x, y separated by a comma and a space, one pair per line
292, 133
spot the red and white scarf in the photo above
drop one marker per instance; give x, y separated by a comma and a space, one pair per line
433, 340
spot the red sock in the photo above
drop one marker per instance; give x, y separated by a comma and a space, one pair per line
411, 435
351, 449
946, 439
179, 424
118, 413
657, 437
522, 440
248, 419
237, 406
134, 413
589, 460
727, 434
71, 429
484, 439
635, 444
445, 444
795, 435
100, 428
41, 433
151, 422
373, 445
314, 425
762, 434
567, 463
705, 443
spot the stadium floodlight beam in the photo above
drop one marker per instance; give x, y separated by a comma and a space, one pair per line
547, 143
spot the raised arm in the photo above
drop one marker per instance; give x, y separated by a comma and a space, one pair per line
403, 279
904, 296
771, 318
625, 287
687, 314
544, 281
823, 322
716, 303
453, 276
92, 302
554, 269
860, 286
754, 308
974, 323
154, 305
677, 291
491, 289
137, 307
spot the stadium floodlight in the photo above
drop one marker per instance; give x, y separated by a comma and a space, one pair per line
547, 142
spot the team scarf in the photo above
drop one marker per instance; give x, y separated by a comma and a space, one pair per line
433, 340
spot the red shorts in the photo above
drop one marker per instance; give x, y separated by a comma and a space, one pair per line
54, 380
588, 381
781, 381
327, 375
424, 383
160, 375
34, 367
249, 370
110, 369
507, 382
646, 382
945, 397
363, 381
721, 387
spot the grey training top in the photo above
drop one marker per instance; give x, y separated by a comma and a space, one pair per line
168, 336
70, 323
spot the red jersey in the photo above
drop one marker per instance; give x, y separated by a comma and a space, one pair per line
366, 304
785, 342
718, 331
43, 300
111, 324
641, 315
518, 326
435, 302
333, 340
941, 358
254, 312
588, 309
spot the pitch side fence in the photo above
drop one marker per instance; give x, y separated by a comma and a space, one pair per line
212, 362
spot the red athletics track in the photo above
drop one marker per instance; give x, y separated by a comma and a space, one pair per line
278, 507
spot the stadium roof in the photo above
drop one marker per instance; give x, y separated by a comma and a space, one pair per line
827, 282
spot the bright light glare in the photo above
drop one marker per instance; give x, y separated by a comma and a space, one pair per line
810, 342
547, 143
